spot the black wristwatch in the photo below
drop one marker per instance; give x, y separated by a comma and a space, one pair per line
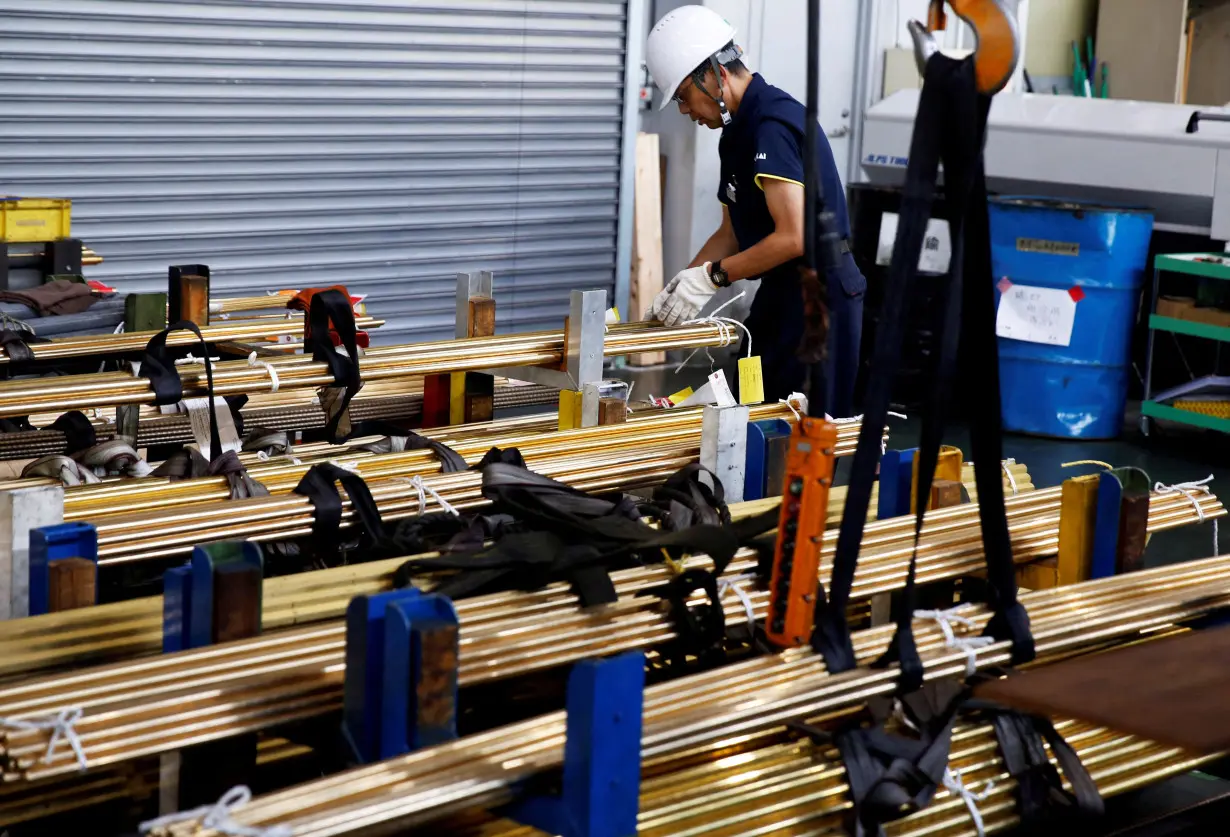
717, 275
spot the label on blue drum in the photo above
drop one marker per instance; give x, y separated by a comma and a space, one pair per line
1042, 245
1036, 315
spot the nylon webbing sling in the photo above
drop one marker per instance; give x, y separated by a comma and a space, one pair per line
159, 367
951, 126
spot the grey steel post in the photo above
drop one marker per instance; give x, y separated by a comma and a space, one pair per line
586, 337
23, 509
470, 285
723, 447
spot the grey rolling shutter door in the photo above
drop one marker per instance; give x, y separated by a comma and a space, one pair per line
382, 144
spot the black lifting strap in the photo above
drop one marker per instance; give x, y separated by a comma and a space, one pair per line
1041, 796
573, 536
78, 431
159, 367
332, 306
951, 125
450, 460
684, 500
318, 485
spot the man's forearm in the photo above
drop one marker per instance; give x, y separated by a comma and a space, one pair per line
775, 249
719, 246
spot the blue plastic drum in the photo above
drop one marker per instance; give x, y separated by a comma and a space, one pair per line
1072, 274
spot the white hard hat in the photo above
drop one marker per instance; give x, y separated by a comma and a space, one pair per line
682, 41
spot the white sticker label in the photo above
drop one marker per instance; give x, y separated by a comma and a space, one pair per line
937, 244
721, 390
1036, 315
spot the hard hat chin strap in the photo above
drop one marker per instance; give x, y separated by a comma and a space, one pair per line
699, 81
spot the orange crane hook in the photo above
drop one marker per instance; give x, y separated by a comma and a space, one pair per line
998, 47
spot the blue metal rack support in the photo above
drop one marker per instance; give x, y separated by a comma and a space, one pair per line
896, 483
54, 543
1117, 529
188, 593
760, 436
602, 754
419, 689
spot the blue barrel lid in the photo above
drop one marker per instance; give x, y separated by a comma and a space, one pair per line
1067, 205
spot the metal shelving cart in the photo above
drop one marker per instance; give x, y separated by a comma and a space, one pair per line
1204, 265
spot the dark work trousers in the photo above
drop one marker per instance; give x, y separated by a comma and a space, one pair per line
776, 326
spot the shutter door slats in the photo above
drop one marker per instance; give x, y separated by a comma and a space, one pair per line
379, 143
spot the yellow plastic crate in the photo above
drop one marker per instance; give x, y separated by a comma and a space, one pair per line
34, 219
1216, 409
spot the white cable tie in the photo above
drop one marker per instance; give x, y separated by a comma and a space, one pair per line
955, 786
1008, 473
191, 358
424, 490
352, 467
969, 645
724, 329
1190, 490
797, 415
60, 725
263, 456
735, 584
254, 361
119, 329
217, 817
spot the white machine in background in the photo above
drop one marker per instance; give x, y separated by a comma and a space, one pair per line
1086, 150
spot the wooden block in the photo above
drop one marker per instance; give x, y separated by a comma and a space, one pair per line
193, 298
612, 411
1039, 575
647, 271
1078, 514
237, 602
482, 317
145, 312
569, 409
72, 584
946, 493
1133, 534
1171, 691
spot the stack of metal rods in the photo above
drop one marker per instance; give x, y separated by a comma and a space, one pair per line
101, 634
663, 431
391, 400
772, 784
231, 305
740, 699
88, 345
22, 397
163, 703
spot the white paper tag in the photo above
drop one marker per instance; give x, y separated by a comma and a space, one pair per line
198, 417
937, 244
1036, 315
722, 395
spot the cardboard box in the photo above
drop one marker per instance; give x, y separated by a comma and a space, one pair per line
1174, 306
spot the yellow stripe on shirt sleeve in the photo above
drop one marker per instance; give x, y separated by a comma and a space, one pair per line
775, 177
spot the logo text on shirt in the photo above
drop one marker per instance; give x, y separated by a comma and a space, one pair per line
762, 156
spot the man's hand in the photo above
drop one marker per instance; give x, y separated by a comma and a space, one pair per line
684, 296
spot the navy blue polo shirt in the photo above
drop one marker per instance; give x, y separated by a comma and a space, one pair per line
765, 139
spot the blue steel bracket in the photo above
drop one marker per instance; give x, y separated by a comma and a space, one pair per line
53, 543
188, 593
896, 483
1114, 487
755, 472
419, 689
602, 754
400, 691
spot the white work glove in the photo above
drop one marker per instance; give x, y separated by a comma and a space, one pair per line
684, 296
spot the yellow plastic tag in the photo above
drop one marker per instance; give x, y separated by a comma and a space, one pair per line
681, 396
751, 380
612, 316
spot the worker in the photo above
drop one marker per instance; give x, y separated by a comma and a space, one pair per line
695, 62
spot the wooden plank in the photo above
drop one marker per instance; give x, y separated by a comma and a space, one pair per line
946, 493
1172, 691
647, 272
72, 584
1209, 77
237, 602
1142, 43
612, 411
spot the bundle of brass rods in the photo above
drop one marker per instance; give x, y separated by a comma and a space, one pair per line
230, 305
130, 342
743, 698
23, 397
146, 706
774, 784
392, 400
657, 432
116, 631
